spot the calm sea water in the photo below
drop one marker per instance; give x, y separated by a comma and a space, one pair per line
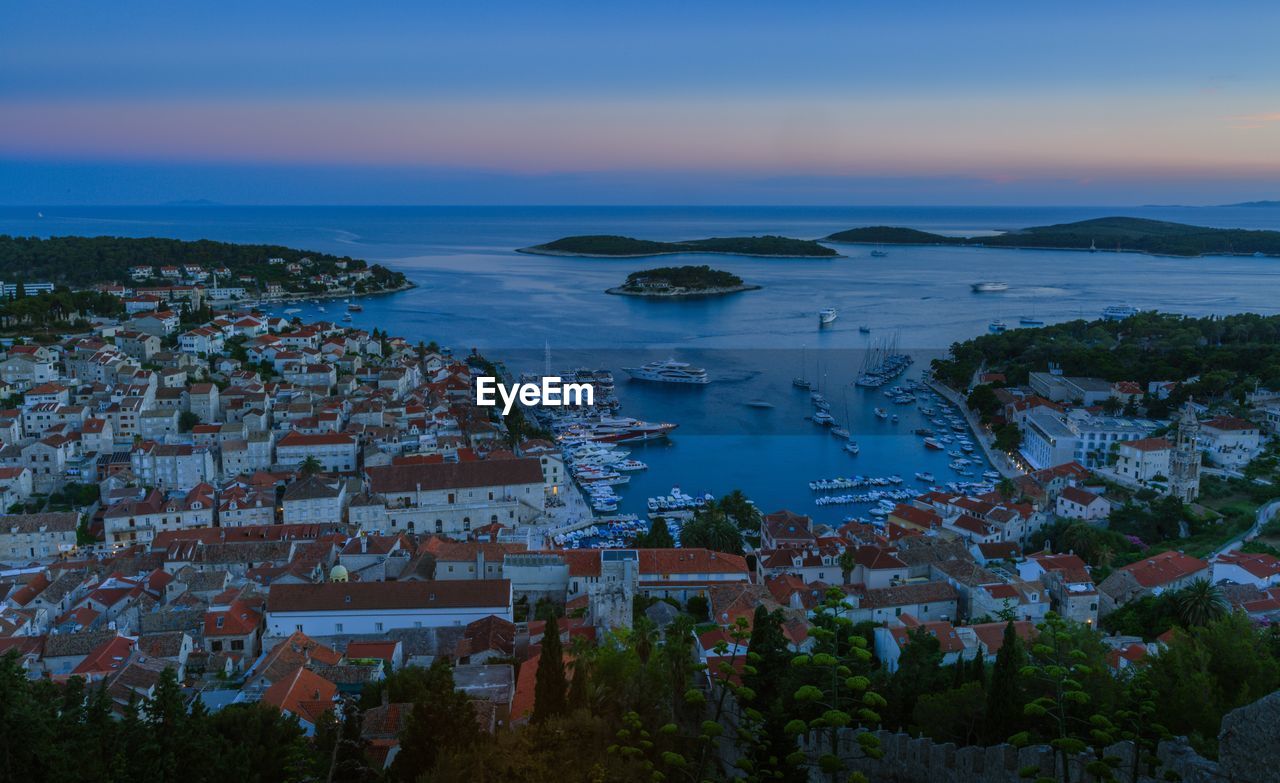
475, 291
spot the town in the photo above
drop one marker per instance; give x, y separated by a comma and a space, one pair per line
216, 506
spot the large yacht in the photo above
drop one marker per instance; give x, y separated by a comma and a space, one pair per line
668, 371
827, 316
990, 287
1119, 312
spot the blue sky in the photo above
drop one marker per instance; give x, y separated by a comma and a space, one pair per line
712, 102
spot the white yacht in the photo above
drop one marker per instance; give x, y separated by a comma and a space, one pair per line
668, 371
1119, 312
997, 326
827, 315
990, 287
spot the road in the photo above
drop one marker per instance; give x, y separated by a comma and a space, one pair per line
1264, 515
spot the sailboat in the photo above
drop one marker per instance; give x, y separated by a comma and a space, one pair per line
800, 382
1093, 246
879, 252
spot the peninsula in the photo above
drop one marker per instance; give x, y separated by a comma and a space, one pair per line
610, 246
1128, 234
681, 281
251, 270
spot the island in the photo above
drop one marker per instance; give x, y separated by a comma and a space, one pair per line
242, 271
681, 281
611, 246
1128, 234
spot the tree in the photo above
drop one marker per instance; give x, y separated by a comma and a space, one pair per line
954, 715
848, 562
1004, 696
442, 718
550, 690
658, 537
187, 421
310, 467
983, 400
1201, 602
711, 529
1008, 438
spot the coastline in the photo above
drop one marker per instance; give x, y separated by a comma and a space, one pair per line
298, 297
683, 293
982, 246
535, 251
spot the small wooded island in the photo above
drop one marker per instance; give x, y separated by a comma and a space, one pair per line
681, 281
1128, 234
610, 246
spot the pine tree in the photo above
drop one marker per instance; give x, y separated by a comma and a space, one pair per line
549, 693
1005, 697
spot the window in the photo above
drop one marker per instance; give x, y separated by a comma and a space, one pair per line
215, 646
377, 626
337, 627
237, 644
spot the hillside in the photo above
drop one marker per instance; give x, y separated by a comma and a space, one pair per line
78, 262
1109, 233
606, 246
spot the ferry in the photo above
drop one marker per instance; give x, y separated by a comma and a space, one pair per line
668, 371
990, 287
827, 315
1119, 312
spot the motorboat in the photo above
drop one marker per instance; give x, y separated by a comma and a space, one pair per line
827, 315
990, 287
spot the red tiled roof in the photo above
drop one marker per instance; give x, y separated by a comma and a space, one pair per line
1080, 496
303, 693
1148, 444
1164, 568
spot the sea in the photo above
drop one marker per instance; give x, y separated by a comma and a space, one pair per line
475, 292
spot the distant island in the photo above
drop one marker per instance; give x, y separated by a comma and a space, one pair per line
81, 262
681, 281
1129, 234
609, 246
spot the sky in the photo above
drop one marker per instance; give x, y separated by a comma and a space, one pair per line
710, 102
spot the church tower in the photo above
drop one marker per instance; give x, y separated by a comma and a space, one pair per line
1184, 462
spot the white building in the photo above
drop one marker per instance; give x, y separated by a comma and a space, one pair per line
1230, 442
26, 537
336, 453
455, 497
346, 608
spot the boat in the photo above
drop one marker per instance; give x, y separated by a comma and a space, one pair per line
881, 413
879, 252
1030, 320
292, 310
997, 326
864, 329
840, 432
827, 315
823, 418
852, 448
758, 404
925, 477
1119, 312
347, 317
990, 287
800, 383
894, 418
1093, 245
668, 371
933, 443
355, 308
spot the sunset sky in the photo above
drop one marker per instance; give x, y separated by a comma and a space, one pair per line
653, 102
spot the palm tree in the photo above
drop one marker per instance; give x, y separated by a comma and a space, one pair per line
1201, 602
848, 562
310, 467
